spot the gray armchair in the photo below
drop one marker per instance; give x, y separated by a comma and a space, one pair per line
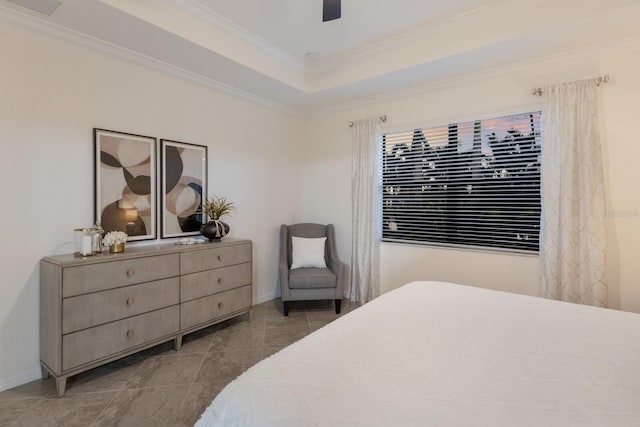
303, 284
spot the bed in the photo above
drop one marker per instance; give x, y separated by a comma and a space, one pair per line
442, 354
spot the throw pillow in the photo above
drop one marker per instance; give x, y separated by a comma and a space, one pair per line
307, 253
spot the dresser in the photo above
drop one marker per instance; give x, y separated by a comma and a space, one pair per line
94, 310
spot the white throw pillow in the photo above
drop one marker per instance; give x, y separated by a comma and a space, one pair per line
307, 253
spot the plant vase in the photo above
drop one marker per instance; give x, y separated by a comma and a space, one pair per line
214, 230
116, 248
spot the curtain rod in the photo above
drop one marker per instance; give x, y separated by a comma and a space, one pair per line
381, 118
599, 81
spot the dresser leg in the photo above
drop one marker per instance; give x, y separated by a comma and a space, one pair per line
61, 384
45, 372
178, 342
251, 315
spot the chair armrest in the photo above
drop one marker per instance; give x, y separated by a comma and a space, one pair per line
284, 263
338, 267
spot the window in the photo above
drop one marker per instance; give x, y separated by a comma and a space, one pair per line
464, 184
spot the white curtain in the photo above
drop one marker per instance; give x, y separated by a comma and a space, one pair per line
364, 194
572, 235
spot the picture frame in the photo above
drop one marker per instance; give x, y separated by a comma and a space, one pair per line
183, 173
125, 178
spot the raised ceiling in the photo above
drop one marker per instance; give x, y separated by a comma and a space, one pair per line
261, 48
296, 27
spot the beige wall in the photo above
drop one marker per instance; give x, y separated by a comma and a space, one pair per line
52, 94
276, 167
502, 91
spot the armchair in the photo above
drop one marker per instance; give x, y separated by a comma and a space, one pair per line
303, 284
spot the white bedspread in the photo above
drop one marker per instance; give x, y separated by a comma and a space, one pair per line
440, 354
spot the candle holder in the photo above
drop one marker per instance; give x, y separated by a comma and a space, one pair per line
83, 241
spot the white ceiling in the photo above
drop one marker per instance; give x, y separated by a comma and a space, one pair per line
259, 47
296, 26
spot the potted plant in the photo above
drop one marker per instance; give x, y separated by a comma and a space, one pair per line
115, 240
215, 207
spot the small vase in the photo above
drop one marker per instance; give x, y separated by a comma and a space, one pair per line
214, 230
116, 248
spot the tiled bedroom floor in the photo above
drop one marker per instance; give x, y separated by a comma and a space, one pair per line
162, 387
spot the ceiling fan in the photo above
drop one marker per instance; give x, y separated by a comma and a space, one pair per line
330, 10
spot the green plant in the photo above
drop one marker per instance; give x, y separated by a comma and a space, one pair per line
217, 206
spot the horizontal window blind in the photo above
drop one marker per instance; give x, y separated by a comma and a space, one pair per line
464, 184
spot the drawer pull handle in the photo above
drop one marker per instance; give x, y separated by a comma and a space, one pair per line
131, 333
130, 301
130, 272
219, 257
220, 280
220, 305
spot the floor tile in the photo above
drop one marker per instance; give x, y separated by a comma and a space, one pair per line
166, 370
198, 398
295, 318
11, 410
164, 349
67, 411
195, 342
110, 377
268, 351
322, 315
156, 406
281, 336
317, 324
222, 366
37, 388
242, 337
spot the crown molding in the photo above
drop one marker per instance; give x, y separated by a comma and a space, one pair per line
619, 45
198, 9
58, 31
42, 25
498, 9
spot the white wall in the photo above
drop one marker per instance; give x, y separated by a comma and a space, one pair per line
53, 93
499, 92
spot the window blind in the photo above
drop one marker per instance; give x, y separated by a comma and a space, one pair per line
474, 184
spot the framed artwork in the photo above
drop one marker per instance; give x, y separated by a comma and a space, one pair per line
183, 172
125, 183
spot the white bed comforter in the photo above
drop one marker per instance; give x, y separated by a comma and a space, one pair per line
440, 354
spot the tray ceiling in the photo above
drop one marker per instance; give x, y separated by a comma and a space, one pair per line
282, 52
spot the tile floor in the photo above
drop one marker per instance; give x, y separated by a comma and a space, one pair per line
160, 386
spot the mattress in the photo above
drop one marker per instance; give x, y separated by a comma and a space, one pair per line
442, 354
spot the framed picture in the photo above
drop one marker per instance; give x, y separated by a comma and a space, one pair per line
125, 183
183, 172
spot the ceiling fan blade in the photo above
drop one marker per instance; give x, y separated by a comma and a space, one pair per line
331, 10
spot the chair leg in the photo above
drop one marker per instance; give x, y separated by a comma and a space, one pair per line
338, 304
286, 307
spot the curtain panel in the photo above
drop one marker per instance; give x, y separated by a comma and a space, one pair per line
365, 218
572, 235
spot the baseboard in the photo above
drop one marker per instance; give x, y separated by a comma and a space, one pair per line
22, 378
266, 297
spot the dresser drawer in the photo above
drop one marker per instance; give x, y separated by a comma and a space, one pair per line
209, 282
92, 344
195, 261
86, 311
107, 275
205, 309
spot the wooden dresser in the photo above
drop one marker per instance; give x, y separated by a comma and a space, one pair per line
98, 309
